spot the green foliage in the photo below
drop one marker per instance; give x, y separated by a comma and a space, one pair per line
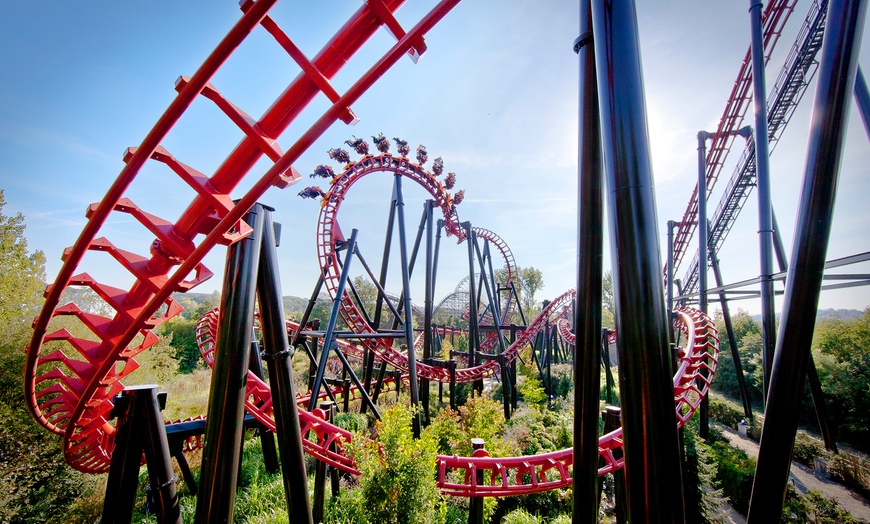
842, 352
353, 422
533, 431
735, 472
531, 392
813, 508
725, 412
478, 418
520, 516
36, 485
747, 333
851, 471
531, 281
397, 481
562, 376
806, 449
704, 498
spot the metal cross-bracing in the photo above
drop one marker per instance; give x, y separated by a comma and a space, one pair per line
792, 82
775, 16
505, 475
70, 382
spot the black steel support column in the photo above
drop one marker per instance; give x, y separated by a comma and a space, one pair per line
140, 428
732, 339
409, 317
276, 349
703, 242
473, 337
836, 81
427, 308
226, 403
670, 291
654, 483
267, 438
475, 504
320, 472
862, 98
762, 172
329, 336
587, 308
818, 396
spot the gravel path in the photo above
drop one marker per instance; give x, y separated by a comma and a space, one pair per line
804, 479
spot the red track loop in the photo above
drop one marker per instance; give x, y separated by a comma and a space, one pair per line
70, 381
330, 236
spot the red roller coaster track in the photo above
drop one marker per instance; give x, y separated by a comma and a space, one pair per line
70, 381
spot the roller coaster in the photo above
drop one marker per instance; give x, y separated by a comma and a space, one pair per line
75, 385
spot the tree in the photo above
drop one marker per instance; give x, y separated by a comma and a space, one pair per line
35, 483
22, 280
747, 334
842, 353
531, 281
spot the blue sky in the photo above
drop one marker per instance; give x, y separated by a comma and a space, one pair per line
495, 96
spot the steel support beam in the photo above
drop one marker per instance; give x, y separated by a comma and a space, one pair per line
762, 173
645, 383
587, 309
836, 82
226, 402
276, 349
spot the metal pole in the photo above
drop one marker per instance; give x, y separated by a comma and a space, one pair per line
590, 252
320, 477
654, 483
862, 98
328, 338
267, 438
762, 168
818, 396
226, 403
277, 350
473, 341
409, 317
429, 292
836, 81
475, 504
732, 339
704, 411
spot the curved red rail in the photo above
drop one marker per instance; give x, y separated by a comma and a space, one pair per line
70, 381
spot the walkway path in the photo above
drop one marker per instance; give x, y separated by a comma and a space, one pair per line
804, 479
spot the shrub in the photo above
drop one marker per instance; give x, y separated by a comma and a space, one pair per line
813, 507
735, 472
353, 422
520, 516
725, 413
562, 376
397, 484
850, 471
806, 449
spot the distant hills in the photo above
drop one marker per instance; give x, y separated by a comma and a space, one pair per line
845, 314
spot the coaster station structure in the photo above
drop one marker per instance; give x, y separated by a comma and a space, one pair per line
74, 386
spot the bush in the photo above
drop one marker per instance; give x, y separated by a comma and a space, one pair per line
735, 472
725, 413
850, 471
806, 449
813, 507
397, 484
562, 376
520, 516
